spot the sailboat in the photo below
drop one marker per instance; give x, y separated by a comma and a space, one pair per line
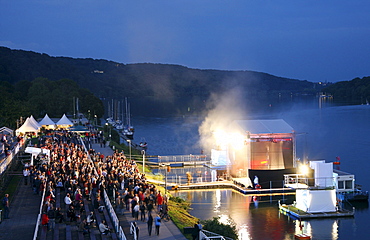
110, 119
119, 122
128, 129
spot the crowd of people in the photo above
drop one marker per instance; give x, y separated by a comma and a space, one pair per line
129, 188
78, 174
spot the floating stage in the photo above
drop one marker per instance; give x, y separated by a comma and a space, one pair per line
299, 214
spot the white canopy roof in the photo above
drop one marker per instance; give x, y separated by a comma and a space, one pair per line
36, 151
46, 121
27, 127
5, 130
268, 126
34, 122
64, 121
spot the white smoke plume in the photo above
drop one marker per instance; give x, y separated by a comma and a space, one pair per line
225, 109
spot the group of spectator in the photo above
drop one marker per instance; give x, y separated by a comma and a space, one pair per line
70, 171
83, 175
129, 188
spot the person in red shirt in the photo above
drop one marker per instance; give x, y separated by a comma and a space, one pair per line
44, 219
159, 201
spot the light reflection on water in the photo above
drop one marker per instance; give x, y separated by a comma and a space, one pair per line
258, 217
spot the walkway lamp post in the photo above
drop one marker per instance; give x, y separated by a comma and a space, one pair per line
129, 145
165, 178
143, 152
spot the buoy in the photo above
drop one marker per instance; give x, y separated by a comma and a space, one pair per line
302, 236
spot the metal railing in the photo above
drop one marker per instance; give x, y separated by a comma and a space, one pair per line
204, 234
8, 159
182, 158
38, 221
301, 181
133, 229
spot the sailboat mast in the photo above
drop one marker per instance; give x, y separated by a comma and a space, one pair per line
129, 116
126, 112
112, 110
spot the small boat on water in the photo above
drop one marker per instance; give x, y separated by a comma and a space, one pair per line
143, 144
302, 236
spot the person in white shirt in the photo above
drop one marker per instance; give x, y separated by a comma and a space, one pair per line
103, 228
26, 173
67, 200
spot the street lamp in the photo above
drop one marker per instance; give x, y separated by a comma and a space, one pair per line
165, 178
143, 152
106, 127
129, 144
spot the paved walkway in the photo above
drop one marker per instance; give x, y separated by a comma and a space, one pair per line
24, 208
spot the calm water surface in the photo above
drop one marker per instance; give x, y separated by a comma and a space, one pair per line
323, 134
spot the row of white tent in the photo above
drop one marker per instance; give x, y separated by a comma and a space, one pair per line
31, 125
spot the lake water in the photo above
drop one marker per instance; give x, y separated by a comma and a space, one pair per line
324, 133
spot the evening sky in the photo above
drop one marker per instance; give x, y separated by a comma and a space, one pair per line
306, 40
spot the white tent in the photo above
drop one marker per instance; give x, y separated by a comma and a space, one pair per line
47, 122
64, 122
312, 201
27, 127
34, 122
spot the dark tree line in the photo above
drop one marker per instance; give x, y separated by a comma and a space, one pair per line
42, 96
356, 91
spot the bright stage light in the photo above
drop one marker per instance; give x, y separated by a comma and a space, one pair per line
303, 169
221, 139
236, 140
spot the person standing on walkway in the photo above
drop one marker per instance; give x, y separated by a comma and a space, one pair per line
150, 224
197, 227
142, 211
67, 200
51, 214
6, 206
157, 222
159, 201
26, 174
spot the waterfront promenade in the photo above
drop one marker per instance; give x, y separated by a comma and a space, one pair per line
24, 208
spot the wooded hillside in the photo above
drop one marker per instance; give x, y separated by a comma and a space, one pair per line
151, 88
